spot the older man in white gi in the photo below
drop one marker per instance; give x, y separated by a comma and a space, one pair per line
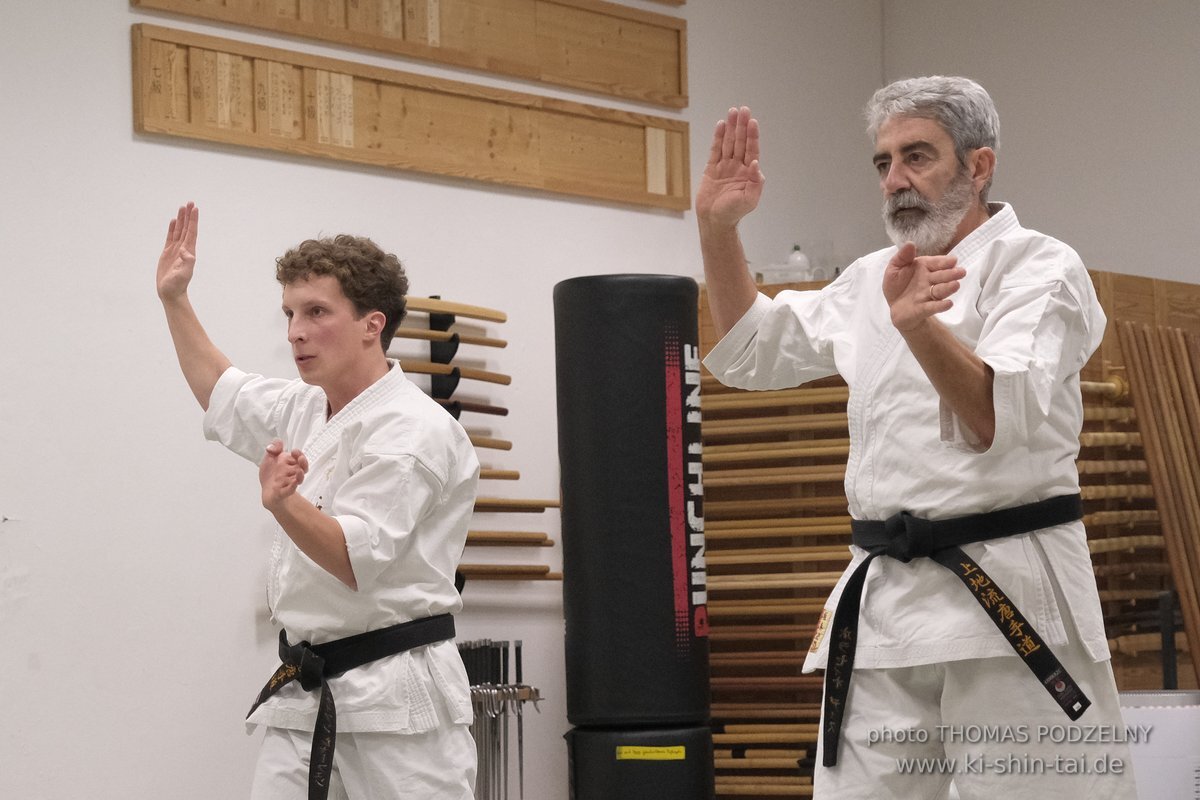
970, 631
372, 485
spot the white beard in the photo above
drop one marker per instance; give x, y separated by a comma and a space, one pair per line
932, 228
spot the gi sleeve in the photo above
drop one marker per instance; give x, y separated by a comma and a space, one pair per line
1037, 334
380, 507
776, 344
243, 412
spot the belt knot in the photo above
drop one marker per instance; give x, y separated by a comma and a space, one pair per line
301, 656
908, 537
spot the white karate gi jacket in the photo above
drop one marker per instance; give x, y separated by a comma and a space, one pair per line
399, 475
1027, 307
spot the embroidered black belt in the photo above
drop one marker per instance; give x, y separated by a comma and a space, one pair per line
313, 665
905, 537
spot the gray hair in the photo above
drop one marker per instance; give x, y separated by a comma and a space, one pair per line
960, 105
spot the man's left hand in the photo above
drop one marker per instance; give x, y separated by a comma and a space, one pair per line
281, 472
918, 287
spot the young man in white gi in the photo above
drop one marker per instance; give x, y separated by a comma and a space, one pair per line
980, 641
372, 485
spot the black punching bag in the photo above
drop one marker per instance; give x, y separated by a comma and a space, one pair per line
628, 372
656, 764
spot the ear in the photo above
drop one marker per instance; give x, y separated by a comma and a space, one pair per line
373, 324
982, 162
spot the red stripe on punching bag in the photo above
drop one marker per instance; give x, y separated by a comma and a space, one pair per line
675, 489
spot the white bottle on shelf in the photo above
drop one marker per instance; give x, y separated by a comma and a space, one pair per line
798, 263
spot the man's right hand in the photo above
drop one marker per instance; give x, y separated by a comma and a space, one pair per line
178, 258
732, 182
202, 363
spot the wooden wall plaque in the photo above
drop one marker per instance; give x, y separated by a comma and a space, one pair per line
220, 90
582, 44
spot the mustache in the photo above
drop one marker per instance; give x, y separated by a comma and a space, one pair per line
909, 198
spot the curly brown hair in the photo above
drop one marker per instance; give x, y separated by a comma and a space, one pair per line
370, 278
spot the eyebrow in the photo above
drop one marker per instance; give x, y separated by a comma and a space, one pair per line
911, 147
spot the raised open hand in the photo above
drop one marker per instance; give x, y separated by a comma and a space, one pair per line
732, 182
178, 259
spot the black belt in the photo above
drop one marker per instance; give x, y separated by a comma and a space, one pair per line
312, 665
905, 537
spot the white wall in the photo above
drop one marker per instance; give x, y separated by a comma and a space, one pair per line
131, 551
1099, 105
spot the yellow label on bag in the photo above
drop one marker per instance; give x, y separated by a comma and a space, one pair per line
638, 753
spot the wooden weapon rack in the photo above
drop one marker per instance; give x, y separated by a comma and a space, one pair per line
777, 529
445, 326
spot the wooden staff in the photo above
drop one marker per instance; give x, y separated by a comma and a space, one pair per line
775, 727
1119, 595
769, 683
767, 708
1120, 517
448, 336
799, 710
1114, 388
1115, 543
777, 555
719, 609
1179, 406
468, 405
470, 373
756, 659
1136, 643
1138, 349
776, 522
431, 305
779, 398
754, 763
719, 509
737, 789
1188, 416
735, 786
509, 539
778, 532
1108, 414
1193, 346
499, 474
763, 738
773, 451
806, 580
1110, 439
1111, 467
509, 572
1128, 491
489, 442
774, 425
745, 633
1130, 569
501, 504
756, 753
773, 476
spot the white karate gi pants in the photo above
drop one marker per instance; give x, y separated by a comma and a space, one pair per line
437, 765
978, 703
